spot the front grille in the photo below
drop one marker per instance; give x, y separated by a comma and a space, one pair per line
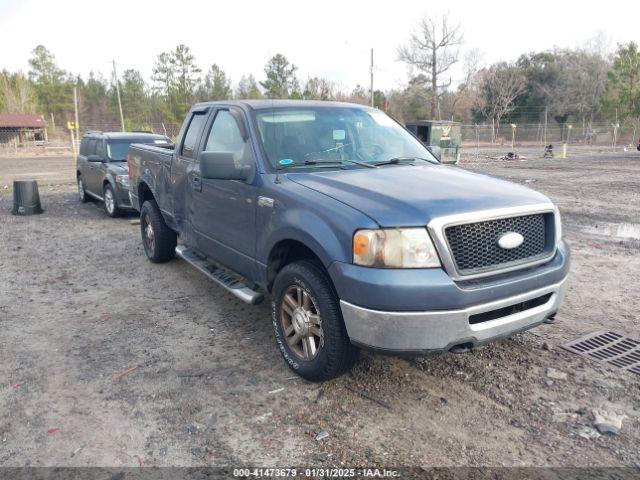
475, 249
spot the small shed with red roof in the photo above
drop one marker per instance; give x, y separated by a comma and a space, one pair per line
22, 128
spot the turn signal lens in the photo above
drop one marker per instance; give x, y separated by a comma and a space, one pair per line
394, 248
360, 244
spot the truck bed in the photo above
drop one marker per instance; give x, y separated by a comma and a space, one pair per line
153, 164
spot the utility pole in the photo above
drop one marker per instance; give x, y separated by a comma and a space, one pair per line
115, 79
371, 77
615, 131
75, 106
546, 113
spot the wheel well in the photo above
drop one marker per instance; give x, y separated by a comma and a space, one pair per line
144, 193
286, 252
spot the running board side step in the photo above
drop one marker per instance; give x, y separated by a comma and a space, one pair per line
218, 275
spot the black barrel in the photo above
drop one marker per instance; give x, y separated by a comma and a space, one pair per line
26, 200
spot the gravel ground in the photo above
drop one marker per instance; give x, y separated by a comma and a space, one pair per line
202, 383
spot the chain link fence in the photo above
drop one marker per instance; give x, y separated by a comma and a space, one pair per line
56, 140
488, 140
478, 140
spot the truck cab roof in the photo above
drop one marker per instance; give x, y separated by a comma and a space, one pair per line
265, 104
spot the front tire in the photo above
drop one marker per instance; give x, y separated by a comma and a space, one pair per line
110, 202
308, 323
158, 239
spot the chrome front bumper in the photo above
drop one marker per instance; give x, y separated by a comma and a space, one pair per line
443, 329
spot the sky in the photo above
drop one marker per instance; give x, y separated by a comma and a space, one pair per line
327, 38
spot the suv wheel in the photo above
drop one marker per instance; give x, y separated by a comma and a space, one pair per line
82, 194
158, 239
308, 323
110, 204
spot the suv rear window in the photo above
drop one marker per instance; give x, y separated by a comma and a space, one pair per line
89, 146
117, 150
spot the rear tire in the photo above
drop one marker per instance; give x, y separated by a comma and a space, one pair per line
304, 296
82, 193
110, 202
158, 239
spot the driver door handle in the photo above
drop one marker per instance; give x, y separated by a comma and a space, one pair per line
196, 181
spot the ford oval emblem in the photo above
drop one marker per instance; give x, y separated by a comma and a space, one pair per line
510, 240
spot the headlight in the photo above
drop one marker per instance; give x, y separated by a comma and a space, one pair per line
123, 180
394, 248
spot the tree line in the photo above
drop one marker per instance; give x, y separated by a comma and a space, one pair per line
581, 85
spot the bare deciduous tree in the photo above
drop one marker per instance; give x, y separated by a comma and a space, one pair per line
501, 85
317, 88
432, 50
466, 93
581, 81
16, 94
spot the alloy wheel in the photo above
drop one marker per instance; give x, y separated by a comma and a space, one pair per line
149, 234
301, 323
109, 201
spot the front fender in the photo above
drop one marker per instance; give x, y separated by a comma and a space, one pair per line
321, 223
110, 179
309, 229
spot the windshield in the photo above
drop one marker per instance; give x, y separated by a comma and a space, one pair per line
323, 136
117, 150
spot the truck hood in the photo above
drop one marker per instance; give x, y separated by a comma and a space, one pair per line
412, 195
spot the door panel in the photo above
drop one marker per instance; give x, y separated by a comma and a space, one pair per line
224, 211
224, 223
183, 165
92, 170
101, 168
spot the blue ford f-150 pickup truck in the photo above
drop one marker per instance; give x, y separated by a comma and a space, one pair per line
358, 234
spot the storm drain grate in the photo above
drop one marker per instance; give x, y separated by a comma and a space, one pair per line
612, 348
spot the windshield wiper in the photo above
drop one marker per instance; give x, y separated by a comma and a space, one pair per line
363, 164
355, 162
400, 160
323, 162
308, 162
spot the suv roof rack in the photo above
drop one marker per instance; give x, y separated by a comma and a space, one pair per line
92, 131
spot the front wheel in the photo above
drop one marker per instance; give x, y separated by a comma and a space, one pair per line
158, 239
308, 323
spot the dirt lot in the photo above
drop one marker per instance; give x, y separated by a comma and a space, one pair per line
80, 303
47, 170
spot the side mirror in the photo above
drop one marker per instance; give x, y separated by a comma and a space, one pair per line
94, 158
435, 151
221, 166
